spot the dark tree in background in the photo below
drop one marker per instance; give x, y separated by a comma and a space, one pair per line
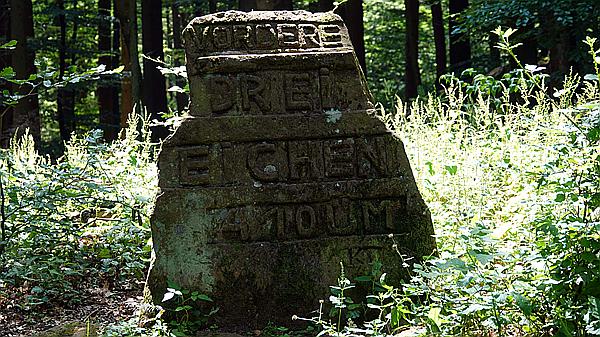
65, 96
108, 96
352, 13
413, 76
125, 11
460, 45
153, 86
26, 113
5, 61
439, 37
266, 5
181, 98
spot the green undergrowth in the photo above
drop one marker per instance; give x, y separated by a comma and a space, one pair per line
75, 224
512, 178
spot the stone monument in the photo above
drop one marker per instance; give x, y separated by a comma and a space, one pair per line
280, 173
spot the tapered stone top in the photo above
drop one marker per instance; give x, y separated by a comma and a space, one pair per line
280, 173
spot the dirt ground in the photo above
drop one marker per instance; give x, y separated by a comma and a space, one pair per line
101, 306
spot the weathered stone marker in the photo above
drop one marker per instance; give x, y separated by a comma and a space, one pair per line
281, 172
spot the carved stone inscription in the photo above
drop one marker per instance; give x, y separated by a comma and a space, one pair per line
291, 221
266, 36
279, 174
290, 162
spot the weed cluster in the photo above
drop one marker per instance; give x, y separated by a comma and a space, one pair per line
512, 177
77, 223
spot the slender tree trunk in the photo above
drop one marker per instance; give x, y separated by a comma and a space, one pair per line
460, 45
65, 95
105, 91
212, 6
26, 113
181, 98
126, 13
115, 61
352, 13
5, 61
494, 51
413, 76
439, 37
154, 85
325, 5
265, 5
527, 52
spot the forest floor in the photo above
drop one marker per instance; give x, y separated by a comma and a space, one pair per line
101, 306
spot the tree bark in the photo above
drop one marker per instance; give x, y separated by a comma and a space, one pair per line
212, 6
26, 113
180, 98
439, 37
126, 13
460, 45
108, 108
325, 5
527, 52
65, 101
5, 61
266, 5
413, 76
494, 52
352, 13
153, 85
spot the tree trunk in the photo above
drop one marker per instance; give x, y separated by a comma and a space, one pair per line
413, 76
26, 113
5, 61
460, 45
494, 51
439, 37
65, 100
126, 13
180, 98
352, 13
108, 110
265, 5
212, 6
154, 85
527, 52
325, 5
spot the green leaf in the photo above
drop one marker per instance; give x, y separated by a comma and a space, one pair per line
7, 72
9, 45
560, 197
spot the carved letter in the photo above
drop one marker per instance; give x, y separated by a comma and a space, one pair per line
326, 83
309, 37
298, 91
306, 221
242, 35
331, 36
194, 166
222, 37
253, 88
266, 162
338, 219
306, 160
265, 36
221, 98
371, 157
288, 35
339, 158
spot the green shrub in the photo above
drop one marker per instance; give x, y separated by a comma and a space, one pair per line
514, 191
79, 222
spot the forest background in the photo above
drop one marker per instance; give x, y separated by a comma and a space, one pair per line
405, 47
